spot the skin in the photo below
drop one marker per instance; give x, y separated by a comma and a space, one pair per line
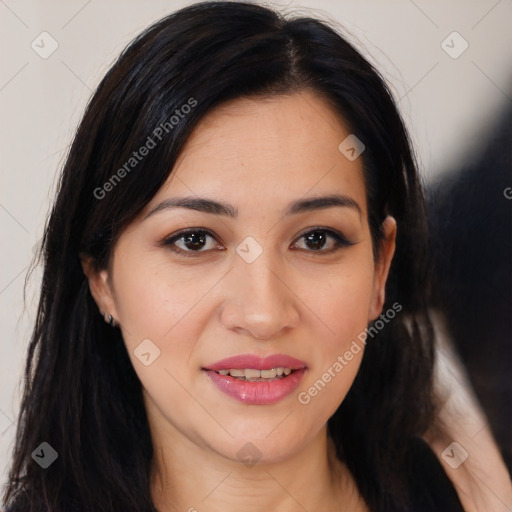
481, 480
257, 155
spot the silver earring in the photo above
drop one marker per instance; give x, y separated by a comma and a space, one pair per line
109, 319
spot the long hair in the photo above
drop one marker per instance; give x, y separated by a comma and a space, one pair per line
81, 394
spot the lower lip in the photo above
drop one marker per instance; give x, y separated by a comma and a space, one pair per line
257, 392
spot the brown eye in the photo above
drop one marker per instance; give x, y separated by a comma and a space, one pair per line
315, 240
192, 241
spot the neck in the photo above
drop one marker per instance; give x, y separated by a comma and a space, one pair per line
187, 477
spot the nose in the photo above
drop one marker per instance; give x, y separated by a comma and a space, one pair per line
260, 301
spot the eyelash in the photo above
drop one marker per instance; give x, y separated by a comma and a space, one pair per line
339, 240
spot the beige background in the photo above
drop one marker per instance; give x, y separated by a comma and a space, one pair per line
448, 103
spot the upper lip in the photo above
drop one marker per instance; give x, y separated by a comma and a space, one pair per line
246, 361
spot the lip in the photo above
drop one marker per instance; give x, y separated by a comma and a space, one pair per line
257, 392
243, 361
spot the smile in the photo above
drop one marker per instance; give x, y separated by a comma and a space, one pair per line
252, 375
257, 381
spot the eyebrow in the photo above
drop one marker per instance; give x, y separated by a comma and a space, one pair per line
214, 207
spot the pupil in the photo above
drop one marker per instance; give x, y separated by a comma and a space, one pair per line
191, 240
317, 244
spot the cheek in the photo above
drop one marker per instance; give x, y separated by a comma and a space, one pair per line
346, 308
153, 302
341, 300
341, 304
161, 314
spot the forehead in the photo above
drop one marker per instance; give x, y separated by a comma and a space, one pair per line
267, 151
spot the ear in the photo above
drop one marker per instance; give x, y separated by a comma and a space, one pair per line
385, 255
100, 286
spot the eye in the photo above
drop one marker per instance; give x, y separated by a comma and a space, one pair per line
195, 240
315, 239
191, 240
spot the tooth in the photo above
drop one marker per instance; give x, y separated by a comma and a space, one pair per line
252, 374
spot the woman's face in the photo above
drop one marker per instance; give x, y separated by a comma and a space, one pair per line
268, 274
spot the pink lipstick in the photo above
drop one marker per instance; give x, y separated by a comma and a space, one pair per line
257, 381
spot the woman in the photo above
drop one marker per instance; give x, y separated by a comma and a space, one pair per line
234, 301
